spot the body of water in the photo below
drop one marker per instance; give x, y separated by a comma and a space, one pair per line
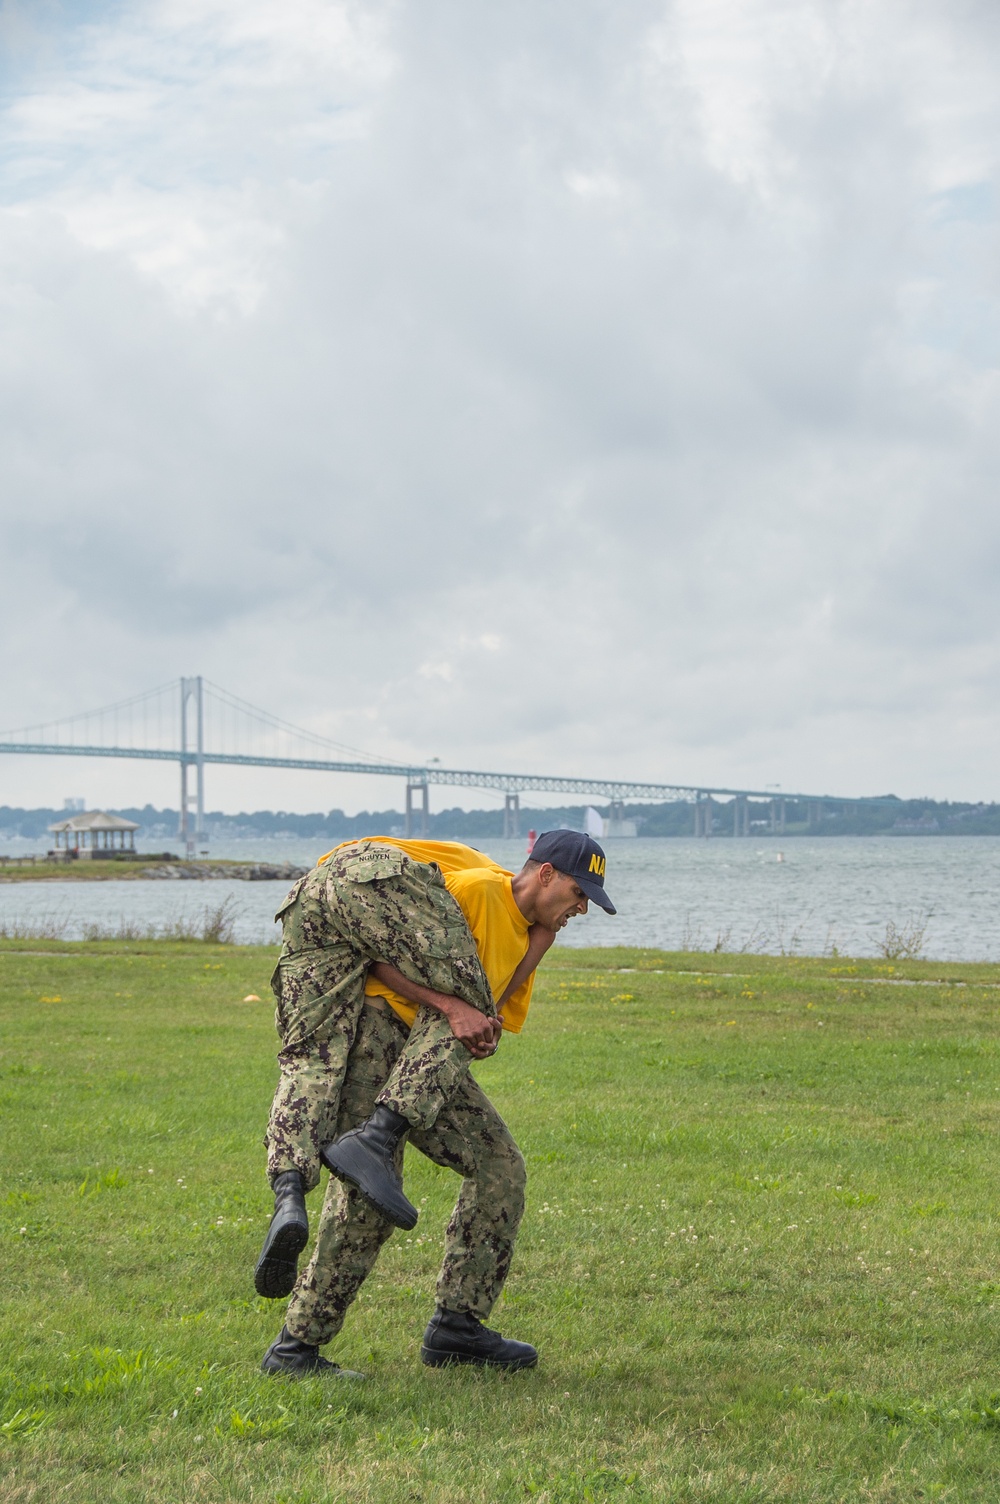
676, 894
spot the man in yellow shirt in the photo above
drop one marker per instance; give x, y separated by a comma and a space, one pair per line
465, 1133
510, 947
318, 1013
390, 898
376, 900
485, 894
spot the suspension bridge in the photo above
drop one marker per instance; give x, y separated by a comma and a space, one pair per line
195, 723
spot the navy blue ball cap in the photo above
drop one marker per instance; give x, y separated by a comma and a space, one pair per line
579, 857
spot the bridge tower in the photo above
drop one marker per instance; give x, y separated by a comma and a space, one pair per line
704, 814
511, 816
423, 789
191, 689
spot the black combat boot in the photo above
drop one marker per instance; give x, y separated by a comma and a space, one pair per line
457, 1337
300, 1359
287, 1235
364, 1158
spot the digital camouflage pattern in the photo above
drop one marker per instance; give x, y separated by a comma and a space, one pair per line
366, 903
468, 1136
430, 1068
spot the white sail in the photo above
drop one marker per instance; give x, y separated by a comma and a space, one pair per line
593, 824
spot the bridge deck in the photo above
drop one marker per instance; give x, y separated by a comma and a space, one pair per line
509, 783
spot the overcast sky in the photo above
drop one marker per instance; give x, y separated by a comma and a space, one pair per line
593, 388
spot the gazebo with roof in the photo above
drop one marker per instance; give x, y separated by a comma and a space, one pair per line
95, 832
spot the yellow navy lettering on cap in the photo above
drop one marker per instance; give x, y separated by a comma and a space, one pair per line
597, 864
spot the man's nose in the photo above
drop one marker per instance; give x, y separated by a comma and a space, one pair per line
583, 906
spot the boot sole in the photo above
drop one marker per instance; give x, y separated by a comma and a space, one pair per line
435, 1359
278, 1266
407, 1221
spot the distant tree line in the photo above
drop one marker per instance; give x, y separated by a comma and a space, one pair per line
893, 817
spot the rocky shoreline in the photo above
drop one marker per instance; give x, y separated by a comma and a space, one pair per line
252, 872
174, 871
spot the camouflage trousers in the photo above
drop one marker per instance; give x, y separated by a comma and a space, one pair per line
468, 1136
367, 903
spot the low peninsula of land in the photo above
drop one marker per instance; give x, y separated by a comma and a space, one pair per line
166, 868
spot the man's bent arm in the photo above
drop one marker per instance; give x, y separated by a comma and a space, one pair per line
539, 940
477, 1032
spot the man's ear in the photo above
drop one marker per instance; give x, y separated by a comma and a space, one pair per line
546, 872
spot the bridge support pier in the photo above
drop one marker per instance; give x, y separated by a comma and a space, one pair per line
704, 815
425, 808
511, 816
741, 815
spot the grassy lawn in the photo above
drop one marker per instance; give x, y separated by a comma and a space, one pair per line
760, 1258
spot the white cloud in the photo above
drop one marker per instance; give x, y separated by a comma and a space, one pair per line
174, 138
608, 390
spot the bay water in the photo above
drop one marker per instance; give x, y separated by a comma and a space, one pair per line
807, 897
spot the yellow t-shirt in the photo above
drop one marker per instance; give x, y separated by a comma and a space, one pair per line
482, 889
450, 856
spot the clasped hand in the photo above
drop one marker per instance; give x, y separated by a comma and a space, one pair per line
479, 1034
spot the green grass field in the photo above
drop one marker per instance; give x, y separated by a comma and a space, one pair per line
760, 1258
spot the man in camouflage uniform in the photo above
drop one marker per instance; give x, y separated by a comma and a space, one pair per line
368, 903
466, 1135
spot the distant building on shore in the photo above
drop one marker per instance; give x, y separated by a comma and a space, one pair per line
594, 823
94, 834
616, 828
